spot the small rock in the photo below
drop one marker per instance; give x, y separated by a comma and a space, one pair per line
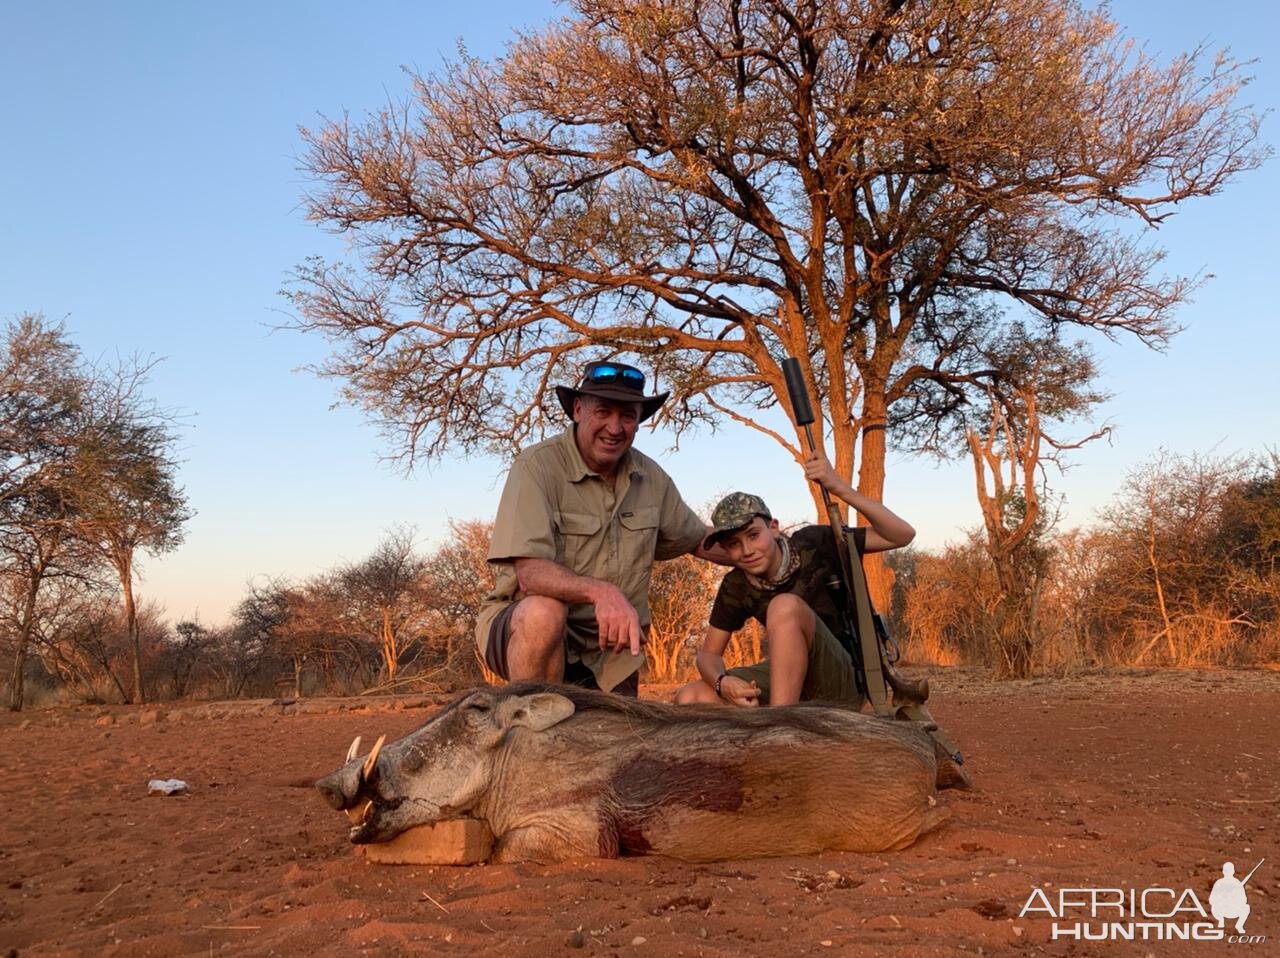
149, 717
104, 720
1017, 931
26, 723
638, 940
702, 932
825, 943
576, 939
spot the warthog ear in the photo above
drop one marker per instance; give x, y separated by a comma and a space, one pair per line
538, 711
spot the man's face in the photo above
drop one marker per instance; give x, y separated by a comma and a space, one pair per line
754, 548
605, 431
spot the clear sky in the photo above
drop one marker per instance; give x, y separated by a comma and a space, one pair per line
149, 197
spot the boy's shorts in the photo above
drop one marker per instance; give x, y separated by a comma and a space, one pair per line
829, 678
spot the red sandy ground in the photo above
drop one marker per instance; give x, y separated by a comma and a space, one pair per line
1117, 780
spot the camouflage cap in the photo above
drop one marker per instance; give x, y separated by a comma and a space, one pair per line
734, 511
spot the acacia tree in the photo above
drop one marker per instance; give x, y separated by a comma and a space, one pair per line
1042, 382
1173, 583
43, 396
709, 185
384, 592
314, 630
125, 490
456, 578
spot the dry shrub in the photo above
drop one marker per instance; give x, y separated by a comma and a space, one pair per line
945, 602
680, 597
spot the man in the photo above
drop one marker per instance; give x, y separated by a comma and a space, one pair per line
782, 581
582, 519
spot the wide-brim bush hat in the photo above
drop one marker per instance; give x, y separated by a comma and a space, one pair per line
617, 382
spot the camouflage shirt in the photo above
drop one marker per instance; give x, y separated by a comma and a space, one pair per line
737, 600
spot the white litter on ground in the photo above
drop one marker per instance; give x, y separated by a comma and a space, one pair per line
166, 786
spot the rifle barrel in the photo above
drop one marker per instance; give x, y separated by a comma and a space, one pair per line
799, 393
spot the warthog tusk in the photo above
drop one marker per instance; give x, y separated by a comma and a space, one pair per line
358, 814
372, 760
353, 750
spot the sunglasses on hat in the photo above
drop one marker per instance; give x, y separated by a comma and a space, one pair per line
605, 374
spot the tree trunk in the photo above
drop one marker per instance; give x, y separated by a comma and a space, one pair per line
389, 655
18, 683
131, 624
871, 485
17, 688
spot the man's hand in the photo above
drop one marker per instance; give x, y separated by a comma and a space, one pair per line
818, 469
740, 692
617, 620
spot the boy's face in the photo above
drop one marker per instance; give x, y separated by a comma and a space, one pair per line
754, 548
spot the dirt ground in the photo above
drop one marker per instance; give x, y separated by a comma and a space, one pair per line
1117, 780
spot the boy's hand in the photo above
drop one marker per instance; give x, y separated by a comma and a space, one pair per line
818, 469
739, 692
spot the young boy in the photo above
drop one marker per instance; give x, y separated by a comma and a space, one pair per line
782, 581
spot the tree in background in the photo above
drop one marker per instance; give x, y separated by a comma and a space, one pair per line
457, 577
1078, 574
1043, 382
1181, 581
86, 641
384, 594
680, 596
1249, 536
710, 185
181, 657
945, 602
42, 400
125, 492
250, 643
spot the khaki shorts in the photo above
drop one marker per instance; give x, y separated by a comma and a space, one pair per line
829, 678
575, 673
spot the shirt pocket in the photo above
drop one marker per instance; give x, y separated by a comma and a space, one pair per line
639, 535
579, 535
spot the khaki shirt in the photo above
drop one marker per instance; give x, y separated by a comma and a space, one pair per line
554, 507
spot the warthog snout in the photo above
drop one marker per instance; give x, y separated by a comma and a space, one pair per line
350, 788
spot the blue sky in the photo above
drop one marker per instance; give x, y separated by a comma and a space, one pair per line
149, 197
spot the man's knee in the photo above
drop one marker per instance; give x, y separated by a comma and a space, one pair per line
539, 621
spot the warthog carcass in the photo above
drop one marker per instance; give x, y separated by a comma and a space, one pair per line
561, 772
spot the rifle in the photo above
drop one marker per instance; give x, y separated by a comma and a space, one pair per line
866, 637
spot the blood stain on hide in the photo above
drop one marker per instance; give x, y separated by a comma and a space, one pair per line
647, 787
